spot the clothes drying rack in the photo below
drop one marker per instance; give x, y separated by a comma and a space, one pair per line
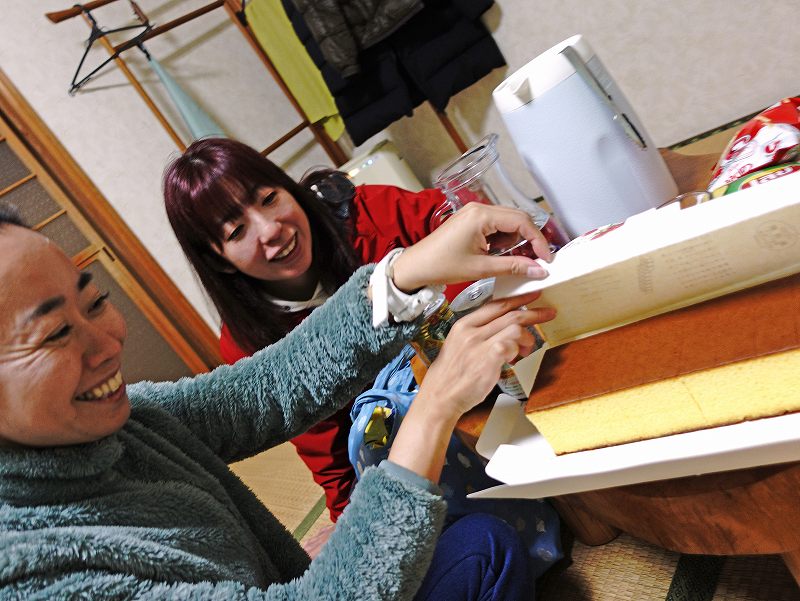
235, 10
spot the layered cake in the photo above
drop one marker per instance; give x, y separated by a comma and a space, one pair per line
733, 358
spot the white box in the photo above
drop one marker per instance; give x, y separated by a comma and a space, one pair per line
657, 261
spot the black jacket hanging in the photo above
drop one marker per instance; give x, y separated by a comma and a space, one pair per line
343, 28
440, 51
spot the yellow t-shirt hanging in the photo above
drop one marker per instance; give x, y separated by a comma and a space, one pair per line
275, 34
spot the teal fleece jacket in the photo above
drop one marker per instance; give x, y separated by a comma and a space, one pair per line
153, 511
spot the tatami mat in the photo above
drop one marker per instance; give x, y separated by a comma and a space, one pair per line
321, 522
284, 484
622, 570
625, 569
628, 569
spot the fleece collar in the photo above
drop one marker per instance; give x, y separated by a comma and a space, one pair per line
56, 474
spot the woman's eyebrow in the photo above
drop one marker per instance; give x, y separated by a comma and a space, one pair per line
57, 301
45, 308
83, 280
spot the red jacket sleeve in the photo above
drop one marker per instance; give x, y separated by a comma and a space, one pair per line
387, 217
230, 351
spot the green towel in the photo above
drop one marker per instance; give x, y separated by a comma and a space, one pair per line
274, 32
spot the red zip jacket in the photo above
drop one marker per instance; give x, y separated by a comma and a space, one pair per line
384, 217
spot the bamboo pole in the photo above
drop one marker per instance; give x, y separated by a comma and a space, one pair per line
233, 8
284, 138
169, 25
62, 15
451, 130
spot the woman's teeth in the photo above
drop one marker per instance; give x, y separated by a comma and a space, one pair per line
108, 387
287, 249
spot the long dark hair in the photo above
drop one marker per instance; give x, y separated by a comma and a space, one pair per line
211, 183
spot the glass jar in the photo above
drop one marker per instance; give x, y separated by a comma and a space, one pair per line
478, 176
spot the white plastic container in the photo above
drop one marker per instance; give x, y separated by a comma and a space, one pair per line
581, 140
382, 165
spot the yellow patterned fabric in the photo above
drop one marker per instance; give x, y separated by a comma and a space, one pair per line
276, 36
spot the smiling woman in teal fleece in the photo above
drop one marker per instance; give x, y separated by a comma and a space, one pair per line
110, 491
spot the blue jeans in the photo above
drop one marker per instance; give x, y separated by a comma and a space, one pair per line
478, 558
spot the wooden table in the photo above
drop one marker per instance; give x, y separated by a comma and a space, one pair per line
742, 512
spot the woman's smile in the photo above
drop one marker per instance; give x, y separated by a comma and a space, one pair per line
109, 390
286, 250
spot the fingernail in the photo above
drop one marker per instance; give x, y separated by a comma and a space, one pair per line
536, 271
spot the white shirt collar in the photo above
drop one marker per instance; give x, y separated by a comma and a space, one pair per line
319, 297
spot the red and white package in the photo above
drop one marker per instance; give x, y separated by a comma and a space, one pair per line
770, 138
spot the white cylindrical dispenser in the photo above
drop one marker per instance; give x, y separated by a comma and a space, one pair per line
581, 140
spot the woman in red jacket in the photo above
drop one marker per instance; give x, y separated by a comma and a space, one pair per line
268, 250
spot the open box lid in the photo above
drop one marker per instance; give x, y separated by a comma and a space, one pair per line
664, 259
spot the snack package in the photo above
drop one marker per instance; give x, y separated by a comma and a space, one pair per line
770, 138
762, 176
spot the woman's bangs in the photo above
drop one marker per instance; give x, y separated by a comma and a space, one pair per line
222, 200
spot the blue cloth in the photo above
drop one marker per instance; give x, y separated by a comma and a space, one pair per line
200, 124
480, 558
394, 389
535, 520
464, 471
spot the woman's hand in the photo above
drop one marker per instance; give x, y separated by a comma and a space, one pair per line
468, 365
465, 371
458, 250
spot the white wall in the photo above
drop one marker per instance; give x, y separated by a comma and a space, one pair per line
686, 67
